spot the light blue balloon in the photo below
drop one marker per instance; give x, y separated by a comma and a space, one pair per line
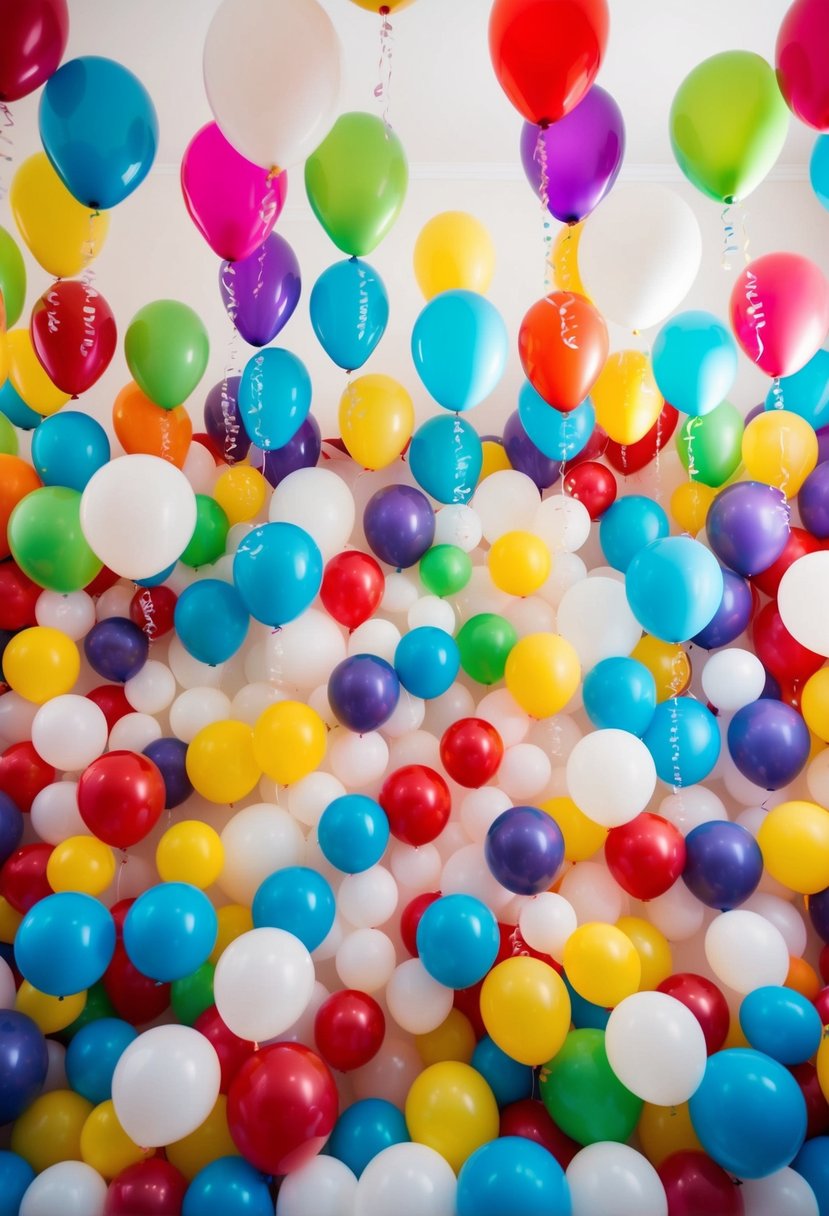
426, 661
15, 1177
459, 347
349, 312
457, 940
170, 931
806, 392
446, 456
512, 1175
228, 1186
99, 128
363, 1130
812, 1163
278, 572
674, 587
65, 943
559, 435
782, 1023
16, 409
274, 397
508, 1080
819, 169
298, 900
694, 362
211, 620
584, 1014
620, 694
628, 525
156, 579
68, 448
684, 740
92, 1055
353, 832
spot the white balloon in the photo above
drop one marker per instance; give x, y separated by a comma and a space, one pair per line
16, 718
309, 797
319, 702
56, 1069
189, 672
501, 709
357, 760
165, 1084
302, 1030
568, 569
783, 1192
390, 1073
152, 689
115, 601
417, 1002
524, 772
546, 922
802, 592
407, 1180
199, 468
408, 715
784, 916
253, 699
325, 1186
817, 774
417, 868
196, 708
303, 653
506, 501
480, 595
557, 735
531, 615
71, 1188
434, 611
330, 944
609, 1179
611, 776
55, 814
733, 678
377, 637
563, 523
593, 893
656, 1048
746, 951
366, 960
316, 500
257, 841
400, 593
677, 914
691, 806
480, 808
640, 254
443, 711
72, 614
367, 900
69, 732
595, 618
133, 733
458, 525
263, 982
8, 989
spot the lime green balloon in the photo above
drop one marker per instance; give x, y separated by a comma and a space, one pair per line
710, 446
484, 643
47, 543
12, 277
728, 124
193, 994
167, 349
8, 437
98, 1005
356, 182
583, 1094
207, 543
445, 569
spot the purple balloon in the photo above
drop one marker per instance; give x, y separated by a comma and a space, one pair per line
11, 827
525, 457
584, 151
769, 743
24, 1060
223, 421
723, 864
732, 616
363, 692
524, 849
822, 444
819, 912
116, 648
399, 524
168, 755
261, 291
748, 526
754, 412
302, 451
813, 501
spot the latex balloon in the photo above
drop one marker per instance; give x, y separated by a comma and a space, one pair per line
28, 377
459, 348
801, 63
694, 362
563, 346
73, 335
12, 278
165, 1084
33, 46
376, 420
349, 312
780, 311
141, 426
453, 252
628, 402
710, 446
45, 535
274, 397
167, 347
59, 231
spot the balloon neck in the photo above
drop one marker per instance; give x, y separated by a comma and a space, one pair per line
273, 173
384, 10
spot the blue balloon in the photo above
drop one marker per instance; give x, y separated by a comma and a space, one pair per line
514, 1175
274, 397
353, 832
11, 827
769, 742
363, 1130
819, 170
349, 312
732, 615
278, 572
15, 1176
749, 1113
363, 691
427, 660
116, 648
92, 1055
558, 434
228, 1186
211, 620
782, 1023
584, 1014
806, 392
674, 587
628, 525
16, 409
684, 740
620, 694
24, 1060
812, 1163
694, 362
65, 943
170, 930
446, 456
508, 1080
298, 900
68, 448
169, 755
157, 579
723, 864
457, 940
99, 128
459, 347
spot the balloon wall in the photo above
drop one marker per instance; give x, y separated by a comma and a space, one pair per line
414, 796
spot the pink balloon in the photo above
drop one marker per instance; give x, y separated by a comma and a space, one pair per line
802, 58
231, 201
780, 312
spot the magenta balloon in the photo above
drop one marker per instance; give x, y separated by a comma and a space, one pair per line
230, 200
261, 291
584, 151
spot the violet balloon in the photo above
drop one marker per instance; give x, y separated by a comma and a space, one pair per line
525, 457
813, 501
399, 524
524, 849
583, 153
769, 743
732, 616
116, 648
363, 692
748, 526
723, 864
11, 826
819, 913
168, 755
302, 451
261, 291
223, 420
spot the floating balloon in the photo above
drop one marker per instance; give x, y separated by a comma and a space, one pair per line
446, 458
34, 41
277, 571
399, 525
748, 526
453, 252
522, 453
801, 63
459, 347
674, 586
780, 312
46, 538
694, 362
260, 292
167, 348
628, 403
274, 397
563, 346
376, 420
349, 312
58, 230
769, 743
559, 436
73, 335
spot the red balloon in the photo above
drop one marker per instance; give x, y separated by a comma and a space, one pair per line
592, 484
410, 919
778, 651
628, 458
112, 701
152, 610
802, 61
349, 1029
23, 774
207, 441
800, 543
232, 1051
103, 580
282, 1107
120, 797
23, 878
706, 1002
468, 1002
694, 1183
135, 997
148, 1188
118, 912
18, 596
471, 751
352, 587
529, 1118
594, 449
646, 856
32, 46
563, 345
512, 945
817, 1108
417, 803
821, 1004
546, 53
73, 334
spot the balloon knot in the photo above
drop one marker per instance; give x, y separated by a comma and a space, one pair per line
273, 173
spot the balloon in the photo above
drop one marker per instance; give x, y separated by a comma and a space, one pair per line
656, 1048
794, 843
300, 452
49, 1131
457, 940
349, 310
153, 1187
28, 379
363, 692
453, 252
417, 803
349, 1028
769, 743
40, 663
781, 449
748, 526
207, 544
96, 95
631, 458
801, 63
120, 797
12, 281
684, 740
780, 312
399, 525
542, 673
522, 453
24, 774
524, 850
804, 392
645, 856
512, 1173
233, 203
451, 1109
261, 290
602, 964
526, 1009
800, 590
563, 345
724, 864
374, 7
583, 1095
694, 362
16, 1177
674, 587
25, 1060
165, 1084
426, 661
376, 420
58, 230
65, 943
33, 45
289, 741
509, 1081
559, 436
628, 526
628, 404
274, 397
404, 1178
781, 1023
167, 348
223, 421
746, 951
459, 347
352, 588
92, 1055
484, 643
278, 572
228, 1186
705, 1001
170, 930
46, 539
695, 1183
298, 900
471, 751
620, 693
710, 446
68, 448
221, 763
363, 1130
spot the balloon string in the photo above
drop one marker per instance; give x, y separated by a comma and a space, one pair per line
755, 311
362, 315
90, 291
658, 459
231, 424
463, 490
777, 394
541, 159
729, 235
257, 382
121, 867
674, 735
565, 426
566, 276
382, 90
688, 440
7, 152
744, 232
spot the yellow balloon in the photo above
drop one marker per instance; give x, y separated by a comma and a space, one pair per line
49, 1130
653, 949
28, 376
451, 1109
289, 741
582, 837
241, 493
664, 1130
495, 459
207, 1143
40, 663
190, 851
221, 763
689, 505
62, 234
814, 703
822, 1063
81, 863
542, 673
735, 1036
234, 920
106, 1146
794, 841
453, 251
668, 664
376, 420
382, 6
525, 1008
4, 355
51, 1013
519, 563
602, 964
781, 449
454, 1039
10, 920
564, 260
625, 396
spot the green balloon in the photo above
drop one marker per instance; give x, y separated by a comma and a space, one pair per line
445, 569
47, 542
193, 994
710, 446
167, 349
98, 1005
728, 124
356, 182
583, 1094
8, 437
207, 544
12, 277
484, 642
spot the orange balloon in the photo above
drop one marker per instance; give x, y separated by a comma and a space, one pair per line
17, 479
803, 978
143, 427
563, 346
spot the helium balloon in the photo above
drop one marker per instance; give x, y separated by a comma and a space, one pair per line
453, 252
459, 347
585, 1098
724, 864
274, 397
628, 403
349, 310
694, 362
58, 230
277, 571
710, 446
65, 943
399, 524
780, 312
376, 419
34, 41
167, 348
801, 63
748, 526
47, 541
446, 457
563, 345
769, 743
674, 587
260, 292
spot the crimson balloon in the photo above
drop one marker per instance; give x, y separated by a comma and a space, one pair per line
18, 596
706, 1003
23, 878
563, 345
628, 458
417, 803
135, 997
103, 580
149, 1188
694, 1183
471, 751
592, 484
349, 1029
73, 334
817, 1108
34, 39
352, 587
152, 609
646, 856
120, 797
410, 919
112, 702
232, 1051
529, 1118
800, 543
23, 774
778, 651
